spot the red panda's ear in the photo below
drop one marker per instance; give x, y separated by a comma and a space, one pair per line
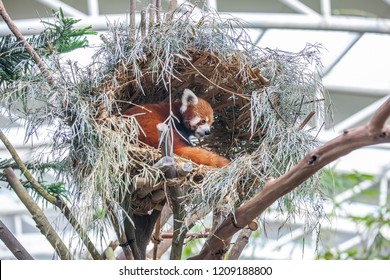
188, 98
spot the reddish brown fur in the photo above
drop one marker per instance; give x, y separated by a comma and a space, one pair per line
202, 108
150, 115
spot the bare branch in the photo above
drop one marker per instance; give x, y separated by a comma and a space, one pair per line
50, 198
13, 244
152, 13
158, 11
369, 134
381, 115
171, 8
133, 5
37, 214
239, 245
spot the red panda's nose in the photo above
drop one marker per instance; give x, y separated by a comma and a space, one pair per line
207, 132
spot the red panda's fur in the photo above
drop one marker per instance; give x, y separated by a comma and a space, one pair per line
195, 116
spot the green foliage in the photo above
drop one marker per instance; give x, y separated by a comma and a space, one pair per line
14, 60
40, 170
375, 243
338, 182
375, 240
66, 37
58, 37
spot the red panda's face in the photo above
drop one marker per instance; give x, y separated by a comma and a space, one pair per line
197, 114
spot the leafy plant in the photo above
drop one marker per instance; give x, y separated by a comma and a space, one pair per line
373, 227
58, 37
40, 170
66, 37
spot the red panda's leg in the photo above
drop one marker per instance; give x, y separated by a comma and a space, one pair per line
201, 156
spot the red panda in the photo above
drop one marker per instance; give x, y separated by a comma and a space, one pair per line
194, 117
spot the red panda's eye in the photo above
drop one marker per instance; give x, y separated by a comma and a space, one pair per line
203, 121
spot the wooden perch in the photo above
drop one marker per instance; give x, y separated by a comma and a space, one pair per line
175, 195
374, 132
145, 186
191, 235
184, 169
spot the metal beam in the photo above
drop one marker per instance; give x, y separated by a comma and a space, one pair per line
65, 7
330, 67
356, 90
34, 26
212, 4
93, 7
250, 20
326, 8
360, 115
292, 21
299, 7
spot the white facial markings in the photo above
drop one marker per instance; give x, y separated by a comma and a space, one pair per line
202, 130
195, 121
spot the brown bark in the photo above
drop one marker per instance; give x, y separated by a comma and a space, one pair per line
13, 244
50, 198
374, 132
239, 245
133, 5
38, 216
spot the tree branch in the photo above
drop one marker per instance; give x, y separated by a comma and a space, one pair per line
370, 134
239, 245
50, 198
133, 5
37, 214
19, 36
13, 244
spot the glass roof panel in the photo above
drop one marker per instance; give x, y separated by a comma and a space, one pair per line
366, 65
334, 42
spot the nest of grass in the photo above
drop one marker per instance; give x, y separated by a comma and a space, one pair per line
262, 101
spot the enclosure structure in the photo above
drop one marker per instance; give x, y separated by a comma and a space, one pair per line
298, 7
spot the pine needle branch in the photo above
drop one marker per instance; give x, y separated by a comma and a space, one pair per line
15, 30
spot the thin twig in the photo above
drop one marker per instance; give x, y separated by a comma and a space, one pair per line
156, 237
239, 245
